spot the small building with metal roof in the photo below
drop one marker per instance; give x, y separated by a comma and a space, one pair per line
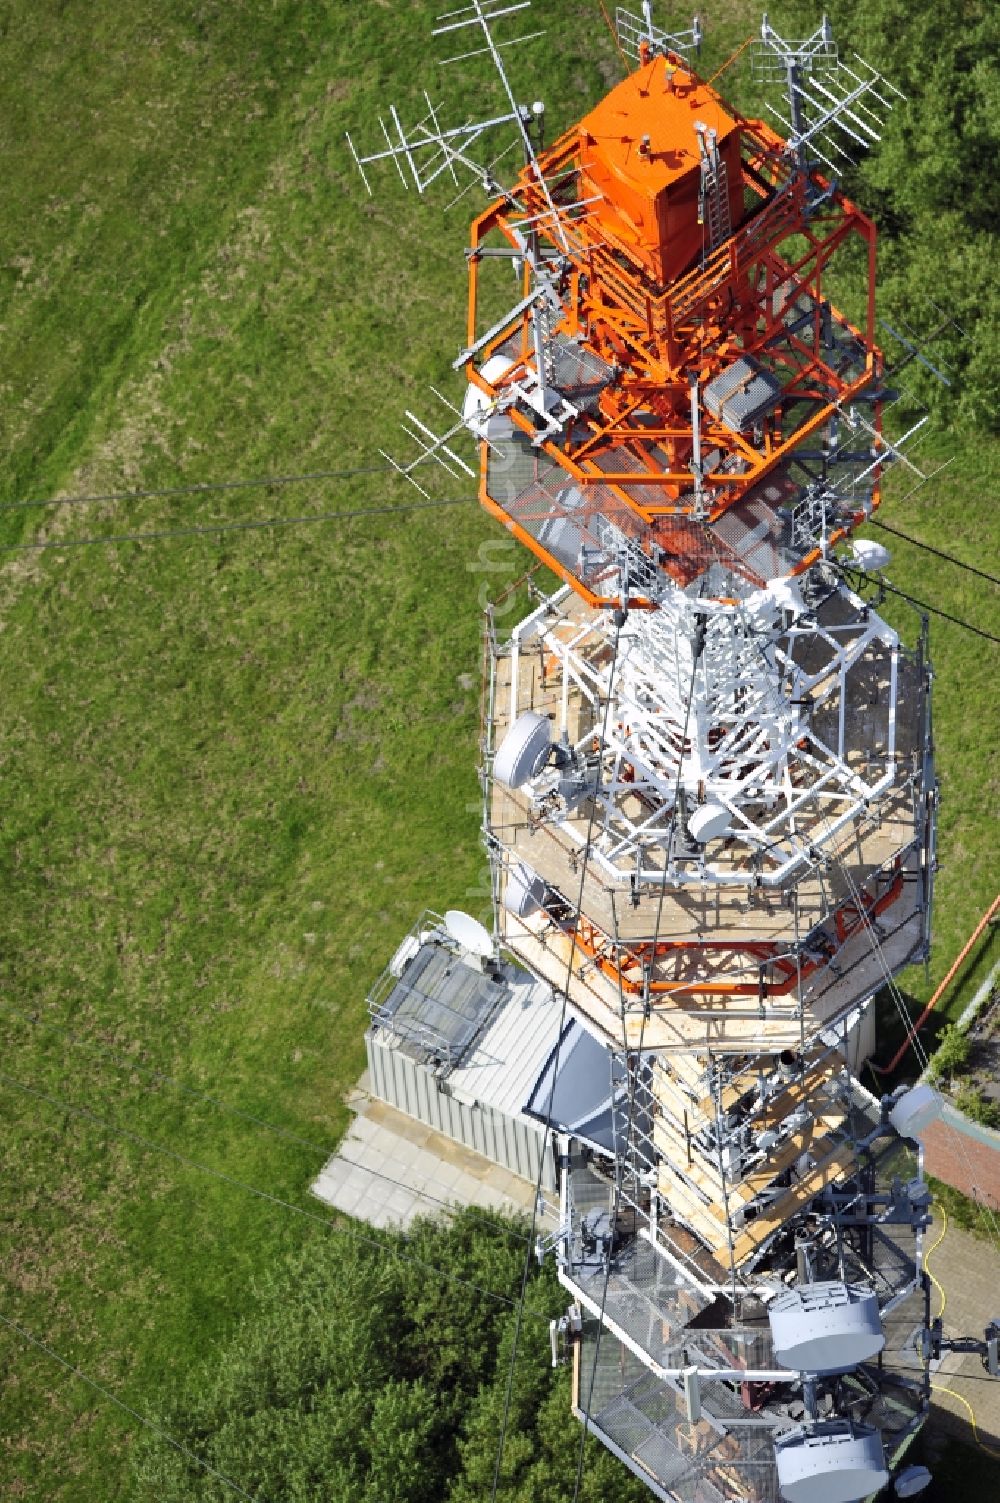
468, 1044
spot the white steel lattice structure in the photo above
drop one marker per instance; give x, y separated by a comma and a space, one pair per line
741, 705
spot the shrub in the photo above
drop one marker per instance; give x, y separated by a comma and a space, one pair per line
977, 1107
952, 1053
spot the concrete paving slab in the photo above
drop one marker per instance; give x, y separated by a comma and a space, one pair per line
406, 1154
387, 1159
450, 1175
350, 1203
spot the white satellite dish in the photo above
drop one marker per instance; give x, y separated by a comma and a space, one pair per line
469, 933
869, 555
708, 823
523, 751
826, 1328
911, 1481
834, 1462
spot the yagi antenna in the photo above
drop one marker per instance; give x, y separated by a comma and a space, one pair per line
467, 16
634, 31
868, 451
835, 110
424, 151
771, 55
433, 445
916, 346
887, 451
482, 13
428, 151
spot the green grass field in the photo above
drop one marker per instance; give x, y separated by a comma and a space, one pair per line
235, 766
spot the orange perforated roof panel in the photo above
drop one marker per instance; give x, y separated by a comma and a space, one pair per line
649, 188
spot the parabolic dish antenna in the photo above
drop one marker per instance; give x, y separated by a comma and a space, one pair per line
469, 933
825, 1328
911, 1481
523, 751
833, 1462
525, 891
915, 1110
491, 425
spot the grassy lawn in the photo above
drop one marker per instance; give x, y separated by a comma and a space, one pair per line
236, 766
965, 666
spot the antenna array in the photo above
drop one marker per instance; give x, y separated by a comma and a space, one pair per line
640, 40
427, 150
835, 110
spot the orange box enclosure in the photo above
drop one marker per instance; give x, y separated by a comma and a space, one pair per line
639, 152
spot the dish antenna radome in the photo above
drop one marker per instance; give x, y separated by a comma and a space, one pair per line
826, 1328
708, 823
915, 1110
524, 750
524, 891
911, 1481
869, 555
480, 412
833, 1462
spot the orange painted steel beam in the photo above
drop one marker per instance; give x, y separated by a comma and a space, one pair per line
640, 300
953, 971
847, 920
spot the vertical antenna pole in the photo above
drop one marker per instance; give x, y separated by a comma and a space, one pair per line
539, 333
696, 465
529, 150
692, 1394
795, 110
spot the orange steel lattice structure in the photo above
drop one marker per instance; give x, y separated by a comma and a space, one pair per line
619, 209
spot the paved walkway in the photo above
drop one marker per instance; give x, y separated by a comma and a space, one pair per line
391, 1168
968, 1270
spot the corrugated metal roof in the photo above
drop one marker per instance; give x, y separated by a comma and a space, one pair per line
502, 1068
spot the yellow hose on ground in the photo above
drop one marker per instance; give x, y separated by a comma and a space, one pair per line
937, 1244
990, 1451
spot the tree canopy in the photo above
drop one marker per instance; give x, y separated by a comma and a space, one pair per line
364, 1378
933, 190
